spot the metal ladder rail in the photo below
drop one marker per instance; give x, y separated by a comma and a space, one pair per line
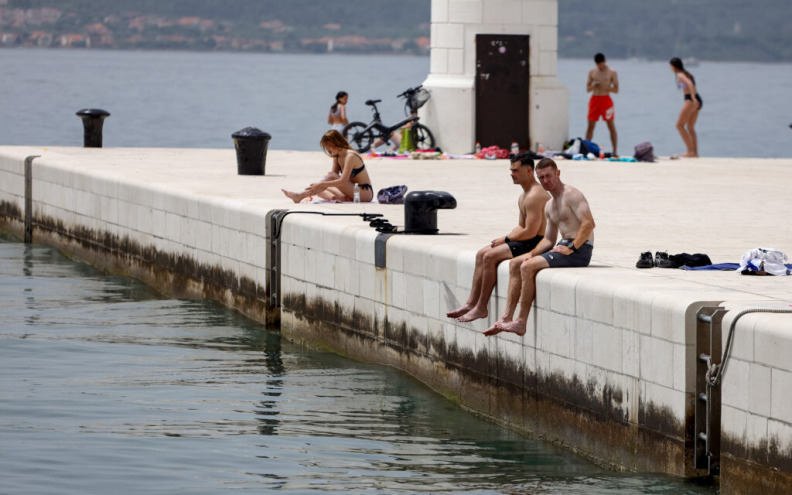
708, 398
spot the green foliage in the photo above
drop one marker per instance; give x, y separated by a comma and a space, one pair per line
759, 30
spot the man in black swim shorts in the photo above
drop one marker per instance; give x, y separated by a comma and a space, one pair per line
578, 258
568, 214
522, 239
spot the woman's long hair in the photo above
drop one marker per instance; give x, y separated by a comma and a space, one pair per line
335, 139
339, 95
676, 63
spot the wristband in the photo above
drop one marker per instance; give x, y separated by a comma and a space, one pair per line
571, 246
506, 239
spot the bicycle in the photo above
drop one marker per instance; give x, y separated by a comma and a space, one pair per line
364, 137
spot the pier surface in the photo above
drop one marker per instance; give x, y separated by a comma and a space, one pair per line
718, 206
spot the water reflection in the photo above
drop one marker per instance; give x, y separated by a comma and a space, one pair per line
105, 383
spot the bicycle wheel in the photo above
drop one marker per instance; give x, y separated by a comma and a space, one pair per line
422, 137
359, 138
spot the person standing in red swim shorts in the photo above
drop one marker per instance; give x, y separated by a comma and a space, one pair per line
602, 81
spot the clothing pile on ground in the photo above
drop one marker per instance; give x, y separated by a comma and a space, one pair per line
764, 261
663, 260
758, 261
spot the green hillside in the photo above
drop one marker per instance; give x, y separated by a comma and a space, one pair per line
759, 30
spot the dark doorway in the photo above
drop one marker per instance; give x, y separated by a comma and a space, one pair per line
502, 90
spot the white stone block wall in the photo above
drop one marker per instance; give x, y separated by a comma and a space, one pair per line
607, 328
211, 232
12, 182
594, 324
756, 392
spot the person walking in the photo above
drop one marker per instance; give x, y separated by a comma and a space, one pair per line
691, 106
601, 82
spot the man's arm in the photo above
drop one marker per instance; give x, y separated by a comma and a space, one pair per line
614, 86
551, 233
583, 213
590, 82
529, 224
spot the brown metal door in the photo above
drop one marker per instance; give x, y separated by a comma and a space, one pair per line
502, 90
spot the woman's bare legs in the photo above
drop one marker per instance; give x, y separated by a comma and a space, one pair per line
330, 194
685, 122
295, 196
692, 132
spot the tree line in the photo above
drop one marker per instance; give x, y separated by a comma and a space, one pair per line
759, 30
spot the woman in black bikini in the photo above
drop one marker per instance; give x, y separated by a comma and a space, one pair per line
348, 170
690, 108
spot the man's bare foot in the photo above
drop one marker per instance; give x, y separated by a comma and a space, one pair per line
473, 314
516, 326
292, 195
459, 311
493, 330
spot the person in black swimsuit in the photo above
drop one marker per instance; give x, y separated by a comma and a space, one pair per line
348, 170
691, 105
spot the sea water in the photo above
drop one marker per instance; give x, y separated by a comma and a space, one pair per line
198, 99
107, 386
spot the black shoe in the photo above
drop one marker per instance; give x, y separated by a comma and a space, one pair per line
645, 261
662, 261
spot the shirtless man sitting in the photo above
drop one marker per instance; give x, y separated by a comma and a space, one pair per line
601, 82
520, 240
567, 213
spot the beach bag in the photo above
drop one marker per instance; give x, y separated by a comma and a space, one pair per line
393, 195
644, 152
589, 146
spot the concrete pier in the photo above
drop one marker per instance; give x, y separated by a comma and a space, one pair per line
608, 366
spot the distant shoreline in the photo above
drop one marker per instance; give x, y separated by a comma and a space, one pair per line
347, 53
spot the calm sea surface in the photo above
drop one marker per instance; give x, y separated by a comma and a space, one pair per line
108, 387
197, 100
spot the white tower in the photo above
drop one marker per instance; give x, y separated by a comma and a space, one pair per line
493, 75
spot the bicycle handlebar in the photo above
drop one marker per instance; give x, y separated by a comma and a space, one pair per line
410, 91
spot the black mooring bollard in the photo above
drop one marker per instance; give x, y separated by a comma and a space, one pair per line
251, 150
420, 210
92, 119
